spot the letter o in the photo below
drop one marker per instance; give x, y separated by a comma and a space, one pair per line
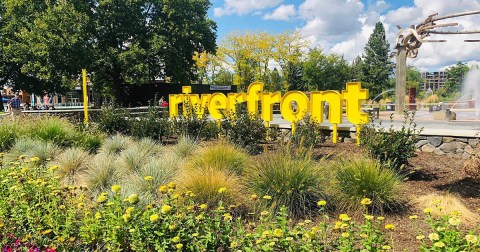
302, 106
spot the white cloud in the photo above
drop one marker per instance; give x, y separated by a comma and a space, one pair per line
283, 13
330, 19
244, 7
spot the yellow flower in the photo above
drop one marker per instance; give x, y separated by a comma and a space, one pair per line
163, 189
308, 221
172, 227
366, 201
344, 217
233, 244
109, 203
420, 237
179, 246
253, 197
148, 178
130, 210
126, 217
440, 229
53, 168
454, 221
266, 233
390, 226
98, 215
199, 217
80, 205
175, 239
439, 244
48, 231
345, 235
116, 188
412, 217
258, 241
433, 237
322, 203
227, 217
222, 190
172, 185
267, 197
21, 157
338, 224
133, 198
102, 198
380, 218
264, 213
386, 247
427, 210
154, 217
203, 206
471, 238
166, 209
289, 238
278, 232
368, 217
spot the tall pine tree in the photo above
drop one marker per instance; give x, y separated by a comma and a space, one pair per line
377, 66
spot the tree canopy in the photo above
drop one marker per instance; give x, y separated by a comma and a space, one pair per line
45, 44
455, 76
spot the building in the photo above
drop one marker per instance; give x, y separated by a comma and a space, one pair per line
433, 80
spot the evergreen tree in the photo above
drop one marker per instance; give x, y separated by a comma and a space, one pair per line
455, 76
377, 66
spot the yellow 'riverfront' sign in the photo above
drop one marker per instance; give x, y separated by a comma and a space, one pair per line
216, 102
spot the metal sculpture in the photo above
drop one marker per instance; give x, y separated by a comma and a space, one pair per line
408, 42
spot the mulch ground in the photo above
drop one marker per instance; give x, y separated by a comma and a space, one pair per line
440, 174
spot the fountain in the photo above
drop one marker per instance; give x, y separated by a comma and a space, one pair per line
471, 89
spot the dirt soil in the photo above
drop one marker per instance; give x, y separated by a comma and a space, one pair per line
440, 174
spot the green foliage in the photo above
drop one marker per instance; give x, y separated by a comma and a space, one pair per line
128, 42
185, 147
455, 74
332, 70
244, 129
391, 147
71, 163
113, 120
377, 66
308, 134
102, 172
224, 156
29, 147
194, 126
153, 124
8, 134
115, 144
414, 77
291, 181
365, 178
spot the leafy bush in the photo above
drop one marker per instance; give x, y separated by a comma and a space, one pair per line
244, 129
154, 124
391, 147
50, 128
194, 126
365, 178
292, 181
307, 134
8, 134
113, 120
222, 156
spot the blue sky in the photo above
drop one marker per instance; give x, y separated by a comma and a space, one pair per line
343, 26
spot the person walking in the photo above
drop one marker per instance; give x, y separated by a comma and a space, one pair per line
14, 105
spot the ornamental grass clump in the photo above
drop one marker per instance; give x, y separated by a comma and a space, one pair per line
72, 163
102, 172
133, 157
221, 156
115, 144
365, 178
296, 182
185, 147
54, 129
211, 186
29, 147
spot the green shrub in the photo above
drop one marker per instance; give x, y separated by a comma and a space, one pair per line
88, 141
194, 126
222, 156
307, 134
244, 129
294, 182
113, 120
154, 124
391, 147
365, 178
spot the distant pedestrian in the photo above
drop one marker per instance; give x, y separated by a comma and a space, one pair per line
14, 106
